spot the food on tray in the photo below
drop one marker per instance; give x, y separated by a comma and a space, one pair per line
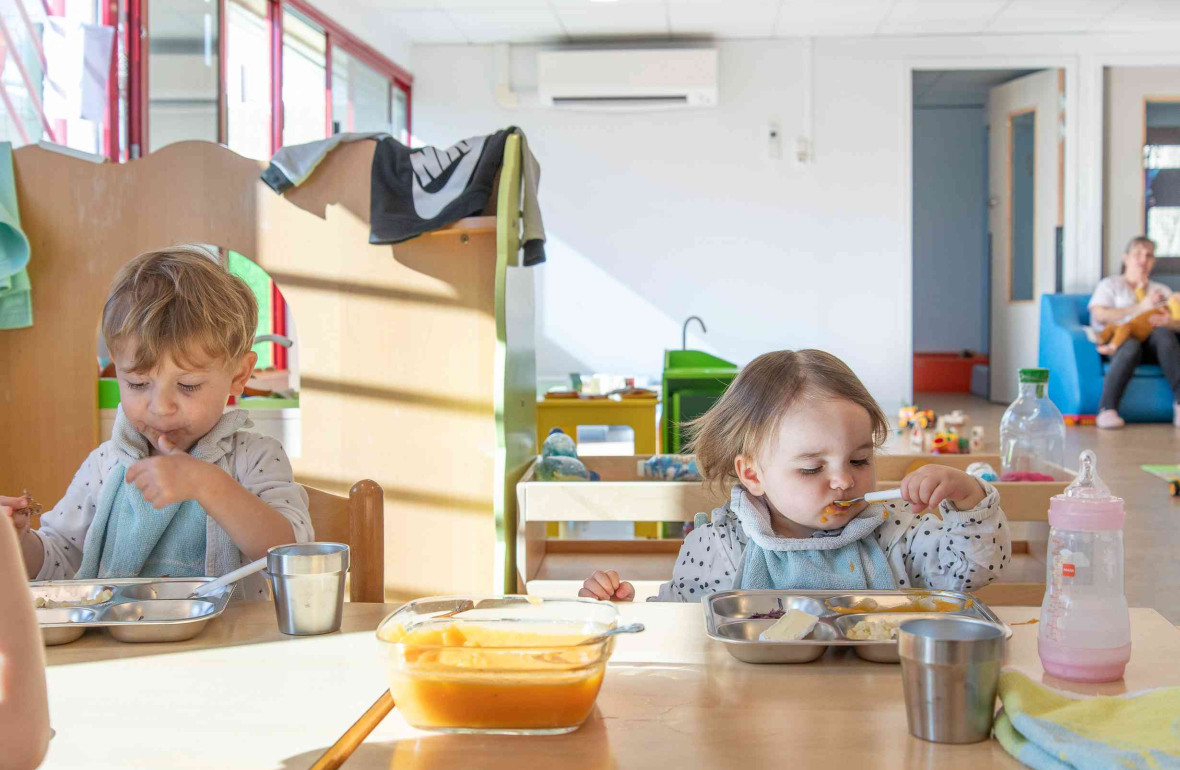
793, 626
918, 603
773, 614
472, 675
41, 603
873, 630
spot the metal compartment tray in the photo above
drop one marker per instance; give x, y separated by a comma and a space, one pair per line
728, 619
135, 610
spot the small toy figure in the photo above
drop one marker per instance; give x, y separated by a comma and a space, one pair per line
917, 424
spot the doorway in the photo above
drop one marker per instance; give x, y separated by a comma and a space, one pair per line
988, 174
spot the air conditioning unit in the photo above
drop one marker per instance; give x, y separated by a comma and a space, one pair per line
628, 79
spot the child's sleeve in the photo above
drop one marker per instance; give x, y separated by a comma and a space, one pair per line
263, 468
63, 530
708, 561
961, 551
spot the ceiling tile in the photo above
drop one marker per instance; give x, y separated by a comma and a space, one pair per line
822, 17
614, 19
516, 25
425, 26
490, 6
563, 4
724, 19
1142, 15
382, 6
923, 17
1050, 16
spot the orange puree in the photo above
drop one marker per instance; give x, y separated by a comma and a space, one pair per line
919, 602
461, 675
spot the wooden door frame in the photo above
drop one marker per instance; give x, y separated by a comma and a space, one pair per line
1071, 66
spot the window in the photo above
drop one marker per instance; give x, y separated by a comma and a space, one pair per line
247, 78
35, 108
361, 96
305, 70
1022, 171
26, 126
183, 71
401, 114
1161, 176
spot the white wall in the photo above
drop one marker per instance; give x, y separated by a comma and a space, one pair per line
653, 217
950, 236
662, 215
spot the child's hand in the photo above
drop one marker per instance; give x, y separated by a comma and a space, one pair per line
1161, 317
928, 486
607, 587
168, 478
16, 509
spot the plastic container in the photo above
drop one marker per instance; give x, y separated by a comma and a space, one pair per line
1085, 629
1032, 431
512, 665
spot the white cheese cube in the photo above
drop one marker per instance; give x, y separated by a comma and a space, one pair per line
791, 627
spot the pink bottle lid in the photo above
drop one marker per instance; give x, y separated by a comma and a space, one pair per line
1087, 505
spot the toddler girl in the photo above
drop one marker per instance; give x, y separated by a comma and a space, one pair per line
794, 433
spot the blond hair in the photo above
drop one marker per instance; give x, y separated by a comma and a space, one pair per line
747, 417
179, 302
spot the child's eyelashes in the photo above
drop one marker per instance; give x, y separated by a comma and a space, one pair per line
184, 387
813, 471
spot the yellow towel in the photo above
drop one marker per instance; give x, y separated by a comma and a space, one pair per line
1050, 730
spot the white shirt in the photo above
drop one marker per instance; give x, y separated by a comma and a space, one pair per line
949, 550
1114, 291
259, 464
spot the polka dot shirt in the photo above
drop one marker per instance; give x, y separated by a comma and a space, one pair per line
949, 550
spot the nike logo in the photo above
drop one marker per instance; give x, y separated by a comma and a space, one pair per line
441, 176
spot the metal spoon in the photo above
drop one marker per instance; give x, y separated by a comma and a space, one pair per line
634, 628
230, 577
871, 497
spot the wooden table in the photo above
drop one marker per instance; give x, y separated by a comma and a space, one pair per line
243, 696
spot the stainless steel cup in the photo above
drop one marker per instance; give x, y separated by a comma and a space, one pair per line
950, 668
308, 584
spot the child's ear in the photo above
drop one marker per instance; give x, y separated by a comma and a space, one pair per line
242, 373
748, 474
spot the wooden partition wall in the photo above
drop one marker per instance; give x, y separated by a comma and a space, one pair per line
415, 361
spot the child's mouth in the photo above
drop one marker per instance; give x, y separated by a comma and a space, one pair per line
833, 512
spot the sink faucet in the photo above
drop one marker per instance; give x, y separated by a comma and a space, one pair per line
684, 331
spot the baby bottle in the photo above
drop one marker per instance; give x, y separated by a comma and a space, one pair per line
1085, 629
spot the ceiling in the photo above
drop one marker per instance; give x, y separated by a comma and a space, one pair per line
547, 21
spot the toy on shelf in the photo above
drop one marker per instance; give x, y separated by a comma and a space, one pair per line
669, 468
559, 460
946, 434
1026, 476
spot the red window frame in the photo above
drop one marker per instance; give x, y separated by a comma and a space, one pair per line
135, 44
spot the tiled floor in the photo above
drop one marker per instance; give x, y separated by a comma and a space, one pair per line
1152, 536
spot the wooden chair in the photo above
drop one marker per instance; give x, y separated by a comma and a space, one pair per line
359, 522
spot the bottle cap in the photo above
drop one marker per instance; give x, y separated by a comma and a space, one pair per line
1039, 376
